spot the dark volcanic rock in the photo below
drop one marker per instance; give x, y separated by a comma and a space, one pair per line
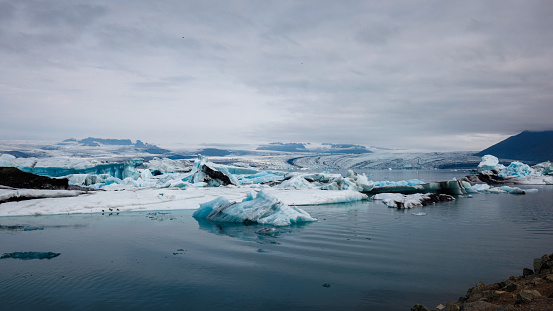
13, 177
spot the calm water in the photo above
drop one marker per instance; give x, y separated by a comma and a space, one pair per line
368, 256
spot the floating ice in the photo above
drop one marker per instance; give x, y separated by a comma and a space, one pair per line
30, 255
410, 182
517, 169
489, 162
262, 208
412, 200
544, 168
485, 188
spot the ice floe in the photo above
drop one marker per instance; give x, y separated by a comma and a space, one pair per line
263, 208
411, 200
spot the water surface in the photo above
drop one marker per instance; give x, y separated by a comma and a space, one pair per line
361, 256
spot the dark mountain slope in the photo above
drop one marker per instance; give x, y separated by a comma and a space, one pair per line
526, 146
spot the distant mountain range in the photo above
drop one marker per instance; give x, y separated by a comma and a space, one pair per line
97, 142
526, 146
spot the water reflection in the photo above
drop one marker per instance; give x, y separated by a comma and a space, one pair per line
248, 232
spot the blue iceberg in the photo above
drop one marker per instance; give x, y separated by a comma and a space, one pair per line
262, 208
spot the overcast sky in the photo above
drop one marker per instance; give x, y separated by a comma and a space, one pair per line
433, 75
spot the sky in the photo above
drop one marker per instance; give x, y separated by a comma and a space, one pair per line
425, 75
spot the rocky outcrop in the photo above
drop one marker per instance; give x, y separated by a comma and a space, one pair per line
15, 178
531, 291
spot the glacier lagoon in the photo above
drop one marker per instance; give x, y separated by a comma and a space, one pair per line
357, 256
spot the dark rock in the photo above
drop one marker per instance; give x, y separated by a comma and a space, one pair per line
541, 263
526, 272
419, 307
506, 308
13, 177
526, 296
451, 306
478, 306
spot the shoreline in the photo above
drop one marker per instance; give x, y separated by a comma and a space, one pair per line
533, 290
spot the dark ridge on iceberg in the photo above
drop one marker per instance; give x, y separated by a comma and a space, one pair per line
533, 147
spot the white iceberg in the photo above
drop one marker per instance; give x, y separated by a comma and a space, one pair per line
262, 208
488, 163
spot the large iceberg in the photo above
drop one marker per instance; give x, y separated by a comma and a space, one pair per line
262, 208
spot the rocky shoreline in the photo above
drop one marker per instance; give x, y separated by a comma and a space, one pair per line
531, 291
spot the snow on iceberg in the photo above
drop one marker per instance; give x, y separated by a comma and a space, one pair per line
412, 200
262, 208
165, 165
488, 163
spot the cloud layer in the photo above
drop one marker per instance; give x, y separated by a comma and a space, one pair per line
435, 75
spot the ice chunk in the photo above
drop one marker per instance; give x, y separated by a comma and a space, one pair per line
30, 255
544, 168
517, 169
258, 178
412, 200
263, 208
296, 182
489, 162
410, 182
204, 171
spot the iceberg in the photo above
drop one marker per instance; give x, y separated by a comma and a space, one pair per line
544, 168
489, 162
59, 167
262, 208
517, 169
485, 188
165, 165
412, 200
204, 171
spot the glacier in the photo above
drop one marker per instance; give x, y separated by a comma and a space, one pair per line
262, 208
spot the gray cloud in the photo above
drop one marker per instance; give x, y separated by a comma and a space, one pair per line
438, 75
